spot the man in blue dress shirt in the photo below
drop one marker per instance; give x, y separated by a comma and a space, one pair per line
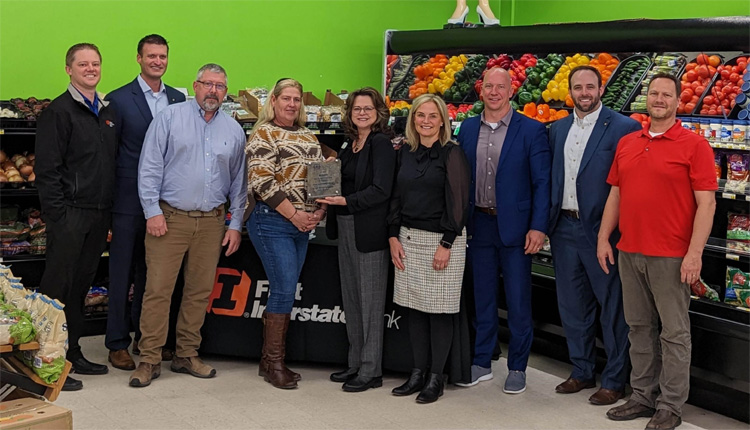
193, 159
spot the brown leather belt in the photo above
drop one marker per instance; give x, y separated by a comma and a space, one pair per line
488, 211
193, 214
571, 214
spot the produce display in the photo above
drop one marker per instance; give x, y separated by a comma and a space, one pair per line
15, 325
446, 77
463, 79
29, 108
19, 168
463, 111
426, 73
399, 108
624, 82
557, 87
24, 234
403, 75
720, 99
516, 69
48, 321
672, 64
391, 61
606, 64
537, 78
543, 113
642, 118
694, 81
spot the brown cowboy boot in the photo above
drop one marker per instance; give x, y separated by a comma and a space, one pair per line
263, 365
273, 345
294, 375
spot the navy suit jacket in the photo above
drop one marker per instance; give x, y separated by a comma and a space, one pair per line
132, 118
523, 177
591, 185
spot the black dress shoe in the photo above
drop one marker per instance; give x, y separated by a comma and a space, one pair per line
412, 385
72, 384
362, 383
85, 367
433, 389
344, 375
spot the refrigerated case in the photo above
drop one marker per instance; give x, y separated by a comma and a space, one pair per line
720, 368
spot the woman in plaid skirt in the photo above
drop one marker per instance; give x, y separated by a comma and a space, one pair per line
429, 210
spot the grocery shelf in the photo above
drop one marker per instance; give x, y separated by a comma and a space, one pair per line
25, 190
23, 258
17, 131
724, 249
716, 144
732, 194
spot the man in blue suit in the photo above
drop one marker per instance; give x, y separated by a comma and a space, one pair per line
135, 104
583, 146
510, 160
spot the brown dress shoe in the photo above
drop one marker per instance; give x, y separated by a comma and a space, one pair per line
664, 420
604, 396
121, 359
630, 411
572, 385
192, 365
144, 374
167, 354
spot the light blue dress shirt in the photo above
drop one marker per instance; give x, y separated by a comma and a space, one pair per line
192, 164
156, 101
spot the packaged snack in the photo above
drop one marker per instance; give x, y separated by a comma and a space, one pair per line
738, 172
737, 280
717, 164
738, 232
313, 113
330, 113
702, 289
744, 296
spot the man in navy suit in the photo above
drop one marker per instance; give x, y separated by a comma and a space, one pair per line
510, 160
583, 145
136, 104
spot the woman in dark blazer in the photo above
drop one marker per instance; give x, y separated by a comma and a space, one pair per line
358, 220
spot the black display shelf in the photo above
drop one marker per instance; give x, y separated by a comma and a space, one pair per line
20, 189
637, 35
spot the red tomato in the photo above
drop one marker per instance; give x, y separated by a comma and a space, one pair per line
734, 77
702, 59
690, 66
709, 100
720, 95
702, 71
691, 76
686, 95
712, 70
689, 107
695, 99
725, 102
742, 65
727, 89
725, 73
741, 59
699, 89
712, 112
704, 111
732, 96
735, 69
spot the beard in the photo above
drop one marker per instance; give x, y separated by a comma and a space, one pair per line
592, 106
210, 103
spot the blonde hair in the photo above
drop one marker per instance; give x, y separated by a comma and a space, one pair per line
412, 137
267, 114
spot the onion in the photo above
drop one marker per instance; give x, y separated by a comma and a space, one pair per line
32, 177
26, 169
3, 157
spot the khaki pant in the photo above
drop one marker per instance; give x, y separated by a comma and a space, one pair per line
196, 237
652, 293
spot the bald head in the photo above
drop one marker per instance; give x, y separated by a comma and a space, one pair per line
496, 93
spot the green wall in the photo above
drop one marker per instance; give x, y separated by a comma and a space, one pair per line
336, 44
324, 44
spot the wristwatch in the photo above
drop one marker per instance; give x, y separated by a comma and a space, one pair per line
445, 244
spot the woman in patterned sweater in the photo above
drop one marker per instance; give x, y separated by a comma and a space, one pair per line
278, 152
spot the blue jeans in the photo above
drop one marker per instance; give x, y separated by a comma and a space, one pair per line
282, 249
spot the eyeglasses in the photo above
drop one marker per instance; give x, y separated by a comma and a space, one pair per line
209, 85
366, 109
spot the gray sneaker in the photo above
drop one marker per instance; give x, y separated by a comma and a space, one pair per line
478, 374
516, 382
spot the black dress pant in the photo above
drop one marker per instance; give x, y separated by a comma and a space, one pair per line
75, 243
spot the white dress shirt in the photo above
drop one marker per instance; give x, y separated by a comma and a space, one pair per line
575, 144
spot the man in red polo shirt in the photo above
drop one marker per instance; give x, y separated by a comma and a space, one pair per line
663, 195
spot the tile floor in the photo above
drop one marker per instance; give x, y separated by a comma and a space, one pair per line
239, 399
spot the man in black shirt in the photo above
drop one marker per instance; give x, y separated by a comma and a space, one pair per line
75, 164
